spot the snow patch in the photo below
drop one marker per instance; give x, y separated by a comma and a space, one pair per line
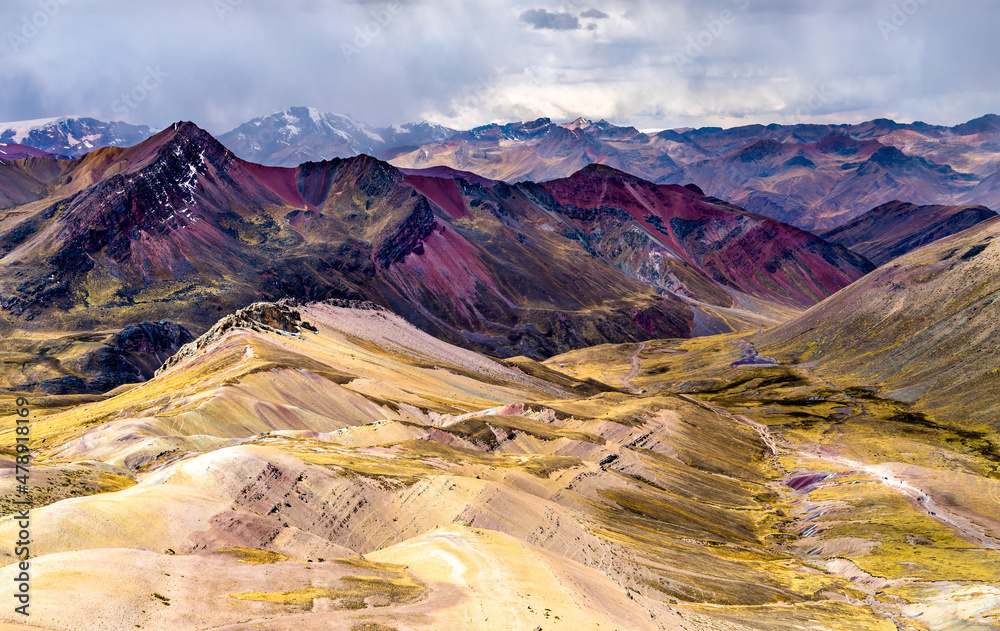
23, 128
372, 134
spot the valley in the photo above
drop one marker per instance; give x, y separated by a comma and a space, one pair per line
330, 464
421, 399
392, 315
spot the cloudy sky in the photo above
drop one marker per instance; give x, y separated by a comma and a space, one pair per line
651, 63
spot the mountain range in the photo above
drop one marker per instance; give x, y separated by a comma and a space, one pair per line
813, 176
288, 138
346, 394
118, 237
72, 136
303, 134
809, 175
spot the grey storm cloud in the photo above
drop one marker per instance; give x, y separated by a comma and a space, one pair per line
542, 19
649, 63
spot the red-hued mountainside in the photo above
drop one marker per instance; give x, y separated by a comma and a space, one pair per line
177, 227
14, 151
896, 228
732, 248
812, 176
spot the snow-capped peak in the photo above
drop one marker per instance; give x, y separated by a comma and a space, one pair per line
21, 129
300, 134
72, 135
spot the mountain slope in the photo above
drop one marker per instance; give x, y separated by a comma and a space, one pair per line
93, 361
14, 151
328, 465
986, 192
19, 184
895, 228
921, 328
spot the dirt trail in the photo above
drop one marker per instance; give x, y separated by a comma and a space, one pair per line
884, 474
634, 372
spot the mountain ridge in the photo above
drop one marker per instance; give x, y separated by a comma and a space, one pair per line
119, 234
303, 134
811, 175
895, 228
72, 135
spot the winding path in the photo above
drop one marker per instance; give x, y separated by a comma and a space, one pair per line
634, 372
884, 474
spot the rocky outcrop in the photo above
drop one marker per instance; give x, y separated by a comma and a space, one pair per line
272, 317
150, 337
131, 355
409, 237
